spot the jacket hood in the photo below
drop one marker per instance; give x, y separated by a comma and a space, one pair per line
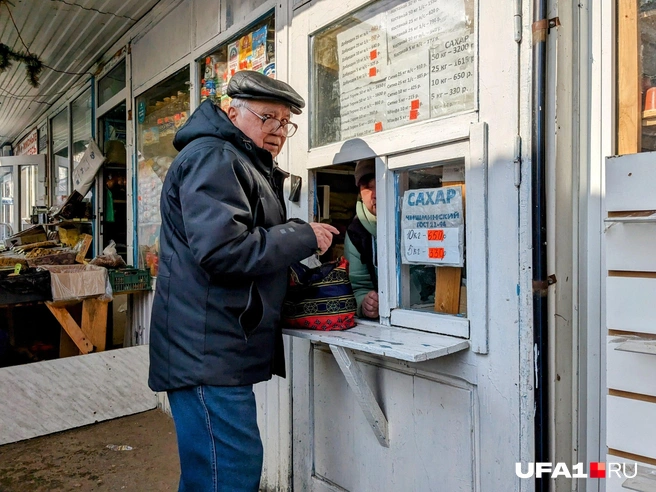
367, 219
207, 121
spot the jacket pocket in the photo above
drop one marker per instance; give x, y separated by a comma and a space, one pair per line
252, 316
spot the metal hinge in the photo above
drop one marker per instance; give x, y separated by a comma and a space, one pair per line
518, 161
518, 21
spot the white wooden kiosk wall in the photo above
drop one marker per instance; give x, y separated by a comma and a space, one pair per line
459, 421
456, 422
630, 238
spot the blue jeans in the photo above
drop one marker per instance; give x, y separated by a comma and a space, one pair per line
218, 438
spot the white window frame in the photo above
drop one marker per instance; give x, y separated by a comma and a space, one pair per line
473, 150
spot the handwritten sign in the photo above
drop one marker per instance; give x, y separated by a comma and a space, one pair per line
432, 223
408, 90
363, 111
362, 54
440, 246
414, 25
452, 74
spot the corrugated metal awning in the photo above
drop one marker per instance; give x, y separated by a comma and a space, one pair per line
69, 36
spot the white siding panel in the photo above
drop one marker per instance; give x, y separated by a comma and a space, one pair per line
428, 421
274, 421
631, 427
631, 304
614, 482
61, 394
631, 247
207, 17
630, 182
630, 371
164, 44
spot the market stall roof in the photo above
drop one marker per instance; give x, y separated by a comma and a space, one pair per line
68, 36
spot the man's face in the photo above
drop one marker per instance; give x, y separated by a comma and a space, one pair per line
368, 193
251, 125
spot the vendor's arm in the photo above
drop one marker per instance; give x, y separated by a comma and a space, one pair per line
217, 217
358, 273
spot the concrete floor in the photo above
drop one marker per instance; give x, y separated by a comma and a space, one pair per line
79, 460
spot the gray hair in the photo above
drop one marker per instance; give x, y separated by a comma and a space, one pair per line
238, 102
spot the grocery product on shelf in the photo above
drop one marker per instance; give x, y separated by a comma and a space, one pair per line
253, 50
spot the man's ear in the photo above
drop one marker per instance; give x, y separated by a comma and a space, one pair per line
232, 113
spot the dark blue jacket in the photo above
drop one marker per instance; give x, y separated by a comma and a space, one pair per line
225, 248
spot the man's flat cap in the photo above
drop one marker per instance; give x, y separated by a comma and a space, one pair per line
248, 84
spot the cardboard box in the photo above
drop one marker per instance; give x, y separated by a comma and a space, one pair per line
72, 282
69, 235
35, 234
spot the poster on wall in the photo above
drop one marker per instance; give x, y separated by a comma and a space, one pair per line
246, 52
259, 48
433, 226
233, 59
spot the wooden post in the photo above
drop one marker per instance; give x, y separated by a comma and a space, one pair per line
629, 78
71, 327
447, 289
67, 347
94, 322
448, 279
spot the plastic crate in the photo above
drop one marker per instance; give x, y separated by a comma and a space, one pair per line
129, 279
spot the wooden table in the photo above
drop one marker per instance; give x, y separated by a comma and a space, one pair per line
87, 336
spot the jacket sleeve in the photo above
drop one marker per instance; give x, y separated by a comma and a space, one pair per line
217, 219
358, 273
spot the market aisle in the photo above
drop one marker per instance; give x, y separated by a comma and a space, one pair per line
79, 460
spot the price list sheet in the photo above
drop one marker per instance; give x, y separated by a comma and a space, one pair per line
452, 74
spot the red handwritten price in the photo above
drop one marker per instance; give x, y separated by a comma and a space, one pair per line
436, 234
436, 253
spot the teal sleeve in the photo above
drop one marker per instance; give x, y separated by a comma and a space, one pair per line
358, 273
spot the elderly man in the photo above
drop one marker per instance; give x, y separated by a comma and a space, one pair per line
225, 248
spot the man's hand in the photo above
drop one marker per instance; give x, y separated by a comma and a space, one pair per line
370, 304
324, 233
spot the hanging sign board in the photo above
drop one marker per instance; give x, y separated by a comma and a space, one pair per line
85, 172
29, 145
433, 227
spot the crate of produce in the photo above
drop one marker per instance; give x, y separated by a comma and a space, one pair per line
129, 279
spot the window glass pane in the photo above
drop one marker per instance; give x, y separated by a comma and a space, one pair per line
112, 139
392, 63
253, 49
59, 158
160, 112
43, 139
28, 182
81, 114
7, 226
431, 238
112, 83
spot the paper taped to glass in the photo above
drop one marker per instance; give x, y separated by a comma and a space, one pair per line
433, 226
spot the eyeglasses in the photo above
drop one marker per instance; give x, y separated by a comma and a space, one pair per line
272, 125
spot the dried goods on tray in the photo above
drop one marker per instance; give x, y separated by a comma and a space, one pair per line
61, 257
